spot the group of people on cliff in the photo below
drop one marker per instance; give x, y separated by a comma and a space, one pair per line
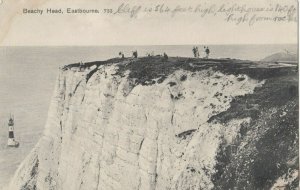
195, 50
135, 55
197, 53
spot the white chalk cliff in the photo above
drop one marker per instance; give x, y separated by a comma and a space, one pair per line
104, 131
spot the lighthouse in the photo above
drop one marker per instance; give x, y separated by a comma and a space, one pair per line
11, 137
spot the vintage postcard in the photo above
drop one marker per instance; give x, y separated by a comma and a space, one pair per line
149, 95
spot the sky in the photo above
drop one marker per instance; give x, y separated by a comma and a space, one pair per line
18, 29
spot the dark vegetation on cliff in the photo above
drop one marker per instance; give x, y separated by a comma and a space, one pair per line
271, 139
265, 149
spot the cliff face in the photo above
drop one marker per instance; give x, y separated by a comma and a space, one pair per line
109, 128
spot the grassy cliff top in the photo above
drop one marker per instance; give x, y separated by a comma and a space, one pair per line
145, 69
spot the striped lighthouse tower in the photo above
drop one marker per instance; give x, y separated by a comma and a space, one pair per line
11, 137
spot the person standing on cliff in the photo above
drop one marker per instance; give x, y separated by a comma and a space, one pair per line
207, 51
121, 54
135, 54
81, 66
165, 57
196, 52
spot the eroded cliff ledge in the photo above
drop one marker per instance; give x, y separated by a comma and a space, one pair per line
184, 123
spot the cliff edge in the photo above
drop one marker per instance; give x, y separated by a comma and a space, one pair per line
181, 123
